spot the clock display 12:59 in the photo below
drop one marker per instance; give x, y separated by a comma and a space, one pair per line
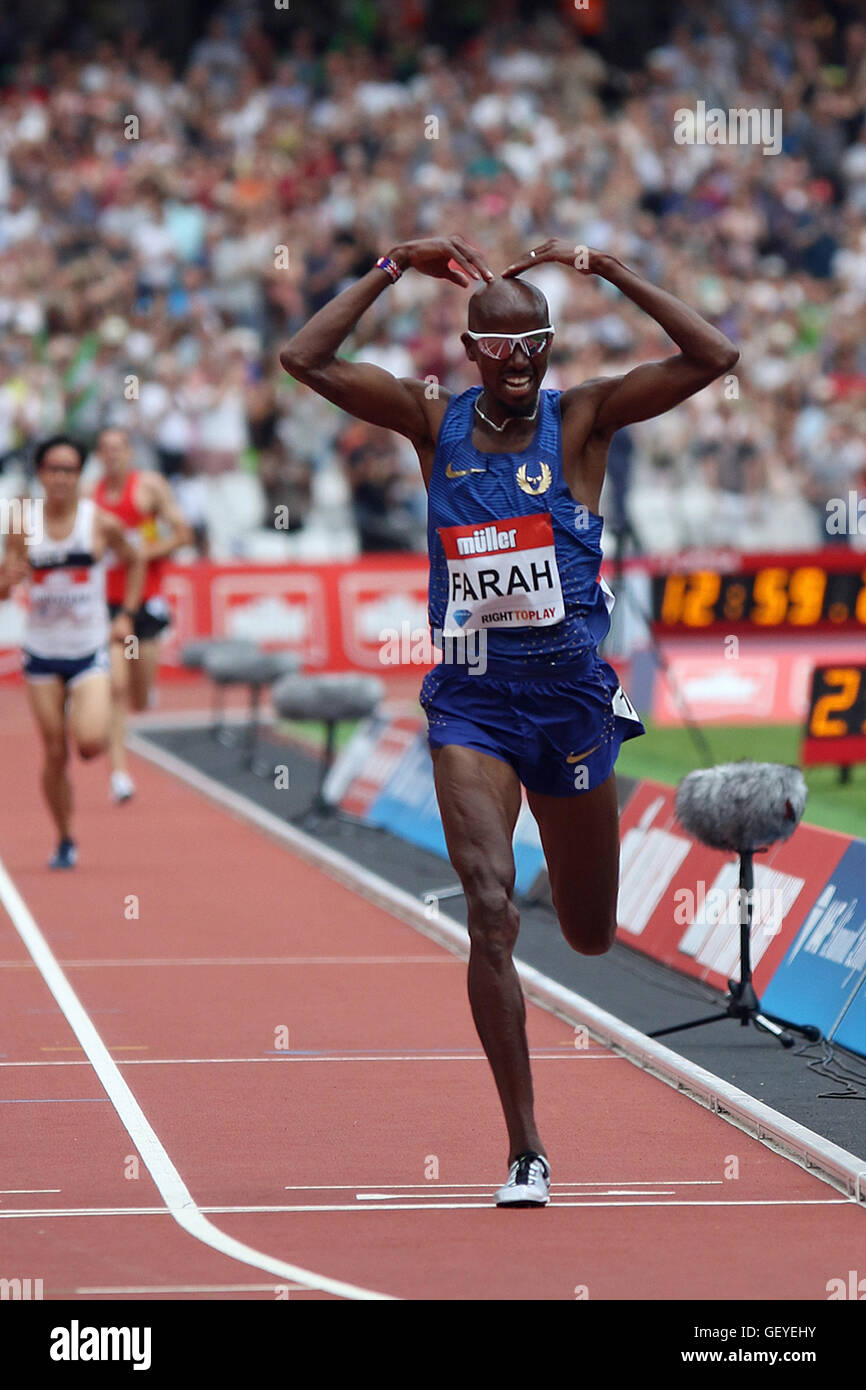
774, 596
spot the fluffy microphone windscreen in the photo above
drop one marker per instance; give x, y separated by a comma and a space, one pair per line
741, 806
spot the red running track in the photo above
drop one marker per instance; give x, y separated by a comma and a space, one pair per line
309, 1065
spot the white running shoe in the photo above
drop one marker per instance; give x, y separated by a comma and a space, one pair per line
122, 787
528, 1183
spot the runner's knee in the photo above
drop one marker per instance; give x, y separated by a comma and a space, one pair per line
91, 747
590, 932
493, 919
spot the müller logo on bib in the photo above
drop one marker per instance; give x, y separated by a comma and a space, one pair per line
502, 574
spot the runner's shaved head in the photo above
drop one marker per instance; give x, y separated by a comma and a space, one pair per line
505, 303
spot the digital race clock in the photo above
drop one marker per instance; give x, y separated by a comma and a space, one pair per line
815, 592
836, 724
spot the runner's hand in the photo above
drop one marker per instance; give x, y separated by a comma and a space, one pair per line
559, 249
13, 569
444, 258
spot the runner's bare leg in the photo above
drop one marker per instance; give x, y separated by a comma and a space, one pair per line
479, 800
120, 682
47, 701
142, 673
89, 714
582, 831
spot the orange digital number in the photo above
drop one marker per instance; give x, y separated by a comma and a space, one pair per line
735, 601
860, 608
672, 601
703, 591
848, 680
770, 597
806, 590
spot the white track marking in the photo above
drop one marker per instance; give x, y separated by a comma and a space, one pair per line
200, 1288
26, 1191
171, 1186
785, 1137
398, 1204
241, 960
407, 1188
188, 718
435, 1197
292, 1057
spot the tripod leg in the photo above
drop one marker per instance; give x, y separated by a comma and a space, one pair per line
681, 1027
808, 1030
321, 807
763, 1023
747, 885
216, 723
253, 726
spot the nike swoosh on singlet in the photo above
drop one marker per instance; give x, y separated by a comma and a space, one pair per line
576, 757
452, 472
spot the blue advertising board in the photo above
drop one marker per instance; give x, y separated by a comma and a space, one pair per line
407, 807
820, 978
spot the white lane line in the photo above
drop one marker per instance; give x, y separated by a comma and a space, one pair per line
197, 1288
453, 1196
294, 1057
168, 1180
25, 1191
240, 960
790, 1140
397, 1204
14, 1213
407, 1189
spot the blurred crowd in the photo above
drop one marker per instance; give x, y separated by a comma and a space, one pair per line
163, 232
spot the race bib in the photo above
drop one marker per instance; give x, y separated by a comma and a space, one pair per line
502, 574
60, 594
623, 706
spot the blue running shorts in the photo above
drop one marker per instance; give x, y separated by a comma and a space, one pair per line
71, 670
561, 733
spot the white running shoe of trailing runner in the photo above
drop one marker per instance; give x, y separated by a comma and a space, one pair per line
528, 1183
122, 787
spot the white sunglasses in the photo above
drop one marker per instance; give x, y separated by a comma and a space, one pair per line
501, 345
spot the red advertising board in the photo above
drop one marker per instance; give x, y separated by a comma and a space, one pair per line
360, 615
678, 900
752, 680
363, 768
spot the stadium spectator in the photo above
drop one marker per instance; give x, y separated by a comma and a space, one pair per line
270, 168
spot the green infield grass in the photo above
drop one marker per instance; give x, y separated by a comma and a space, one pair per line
667, 754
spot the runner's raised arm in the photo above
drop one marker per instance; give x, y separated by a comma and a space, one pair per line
653, 387
360, 388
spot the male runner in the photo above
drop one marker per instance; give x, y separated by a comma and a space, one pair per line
65, 658
141, 500
514, 477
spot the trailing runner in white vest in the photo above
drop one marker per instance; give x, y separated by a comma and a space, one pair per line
67, 633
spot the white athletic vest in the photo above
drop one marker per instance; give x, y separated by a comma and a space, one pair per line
67, 615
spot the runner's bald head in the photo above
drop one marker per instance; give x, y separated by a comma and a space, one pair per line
502, 304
